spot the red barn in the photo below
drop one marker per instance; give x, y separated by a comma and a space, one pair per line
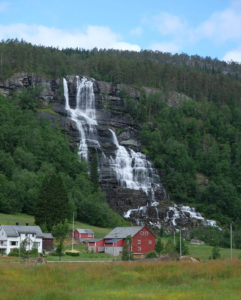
83, 234
143, 240
96, 245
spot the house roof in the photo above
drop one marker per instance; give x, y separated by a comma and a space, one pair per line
123, 232
46, 235
80, 230
16, 230
94, 240
112, 241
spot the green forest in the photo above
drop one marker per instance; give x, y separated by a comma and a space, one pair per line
196, 147
36, 162
195, 144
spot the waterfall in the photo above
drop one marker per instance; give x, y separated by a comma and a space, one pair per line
133, 170
83, 114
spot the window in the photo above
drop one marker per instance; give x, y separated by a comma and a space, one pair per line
142, 232
139, 242
150, 242
13, 243
138, 248
146, 233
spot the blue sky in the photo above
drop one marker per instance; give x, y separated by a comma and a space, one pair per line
206, 28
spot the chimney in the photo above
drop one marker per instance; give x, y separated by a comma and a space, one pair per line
17, 223
26, 224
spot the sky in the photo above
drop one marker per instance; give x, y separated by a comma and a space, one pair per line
206, 28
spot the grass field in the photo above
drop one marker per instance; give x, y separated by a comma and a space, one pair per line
122, 280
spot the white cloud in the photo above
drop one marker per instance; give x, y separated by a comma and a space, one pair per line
93, 36
234, 55
175, 33
165, 47
222, 26
4, 6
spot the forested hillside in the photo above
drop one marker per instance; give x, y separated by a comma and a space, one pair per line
31, 151
195, 144
199, 78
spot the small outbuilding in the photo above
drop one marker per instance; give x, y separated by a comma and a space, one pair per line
48, 241
83, 234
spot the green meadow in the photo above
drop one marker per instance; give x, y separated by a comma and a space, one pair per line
122, 280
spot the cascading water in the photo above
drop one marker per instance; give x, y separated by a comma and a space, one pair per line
83, 114
131, 169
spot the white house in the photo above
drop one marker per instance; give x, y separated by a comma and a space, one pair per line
12, 236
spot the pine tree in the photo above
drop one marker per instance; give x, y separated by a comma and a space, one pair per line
52, 207
94, 176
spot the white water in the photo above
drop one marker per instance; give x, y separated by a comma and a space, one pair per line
133, 170
83, 114
181, 212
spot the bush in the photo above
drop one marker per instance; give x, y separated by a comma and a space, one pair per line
33, 252
72, 252
151, 254
216, 253
159, 246
170, 247
14, 252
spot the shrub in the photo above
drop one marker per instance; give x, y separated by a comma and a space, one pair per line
33, 252
215, 253
14, 252
72, 252
170, 247
151, 254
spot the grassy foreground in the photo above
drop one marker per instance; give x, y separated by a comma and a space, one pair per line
123, 280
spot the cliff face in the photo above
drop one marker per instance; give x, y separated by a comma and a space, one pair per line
111, 118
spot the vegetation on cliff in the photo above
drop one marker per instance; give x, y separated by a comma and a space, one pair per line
30, 151
197, 148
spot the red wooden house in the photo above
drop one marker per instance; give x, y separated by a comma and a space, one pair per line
83, 234
96, 245
143, 240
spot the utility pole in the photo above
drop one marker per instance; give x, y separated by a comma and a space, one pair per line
180, 242
73, 234
231, 241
